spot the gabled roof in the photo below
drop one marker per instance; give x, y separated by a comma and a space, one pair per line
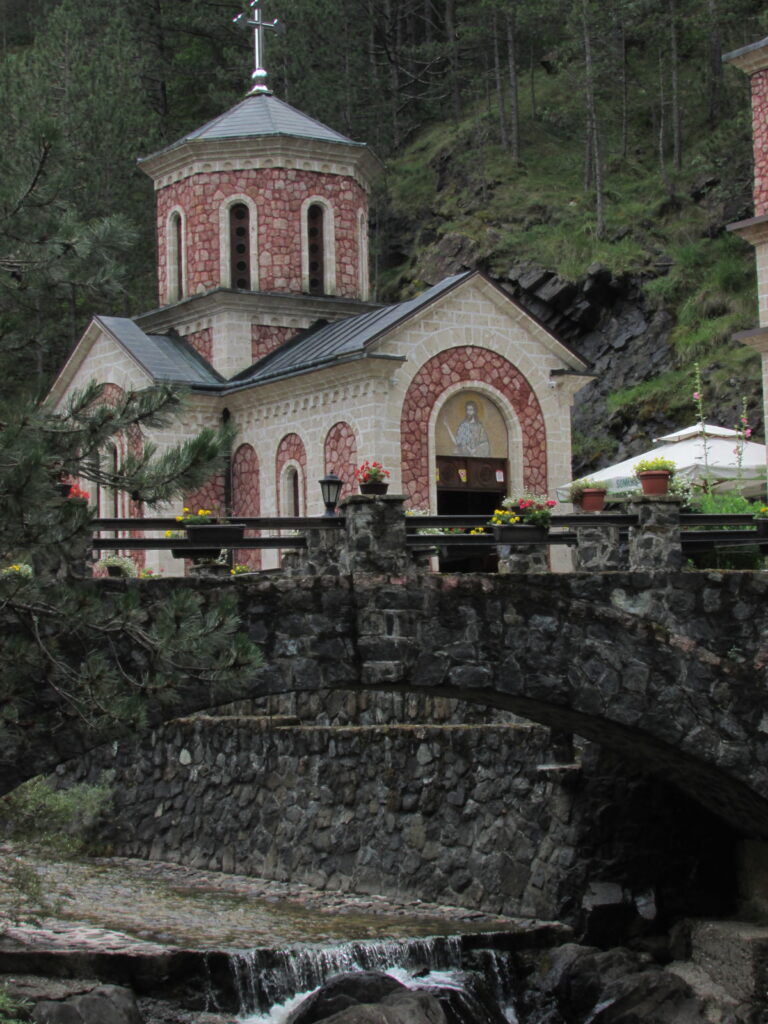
352, 338
261, 116
343, 339
164, 357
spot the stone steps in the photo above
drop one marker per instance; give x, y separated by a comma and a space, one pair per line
717, 1002
727, 962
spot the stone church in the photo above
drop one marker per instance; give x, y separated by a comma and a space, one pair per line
265, 318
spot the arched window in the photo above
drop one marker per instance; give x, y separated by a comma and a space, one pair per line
362, 254
291, 492
239, 246
238, 258
316, 248
175, 257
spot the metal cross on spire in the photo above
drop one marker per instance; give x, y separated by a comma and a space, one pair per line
254, 20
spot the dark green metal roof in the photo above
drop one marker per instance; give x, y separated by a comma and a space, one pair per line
164, 356
259, 117
343, 339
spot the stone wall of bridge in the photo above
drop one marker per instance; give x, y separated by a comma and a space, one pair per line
475, 815
668, 668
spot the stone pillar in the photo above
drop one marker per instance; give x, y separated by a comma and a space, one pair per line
598, 548
524, 558
655, 542
375, 539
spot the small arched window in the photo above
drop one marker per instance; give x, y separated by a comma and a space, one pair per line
239, 246
316, 249
291, 493
175, 257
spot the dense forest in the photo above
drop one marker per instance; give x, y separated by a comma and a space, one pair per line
559, 135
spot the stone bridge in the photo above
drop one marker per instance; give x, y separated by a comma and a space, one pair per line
667, 668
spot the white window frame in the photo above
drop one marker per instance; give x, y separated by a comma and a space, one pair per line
225, 247
329, 245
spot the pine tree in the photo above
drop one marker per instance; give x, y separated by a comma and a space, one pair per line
98, 658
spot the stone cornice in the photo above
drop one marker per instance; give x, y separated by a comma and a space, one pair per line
749, 59
757, 338
754, 230
204, 156
293, 398
268, 308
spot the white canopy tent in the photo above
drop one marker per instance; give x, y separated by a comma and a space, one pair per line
686, 448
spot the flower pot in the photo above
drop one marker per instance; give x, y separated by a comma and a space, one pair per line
592, 499
654, 481
378, 488
519, 533
761, 527
223, 535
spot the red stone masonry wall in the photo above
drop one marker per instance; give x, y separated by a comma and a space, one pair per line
470, 365
760, 139
291, 448
210, 495
202, 343
341, 456
266, 339
246, 498
278, 194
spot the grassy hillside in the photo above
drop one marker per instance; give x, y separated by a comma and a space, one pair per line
469, 203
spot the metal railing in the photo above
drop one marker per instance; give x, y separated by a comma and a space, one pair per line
698, 532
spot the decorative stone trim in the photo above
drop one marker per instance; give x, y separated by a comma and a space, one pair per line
341, 455
329, 246
291, 452
225, 241
470, 364
172, 276
246, 496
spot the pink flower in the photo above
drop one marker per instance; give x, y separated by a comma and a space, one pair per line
696, 396
748, 432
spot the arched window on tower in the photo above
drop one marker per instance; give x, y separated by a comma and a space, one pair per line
175, 257
316, 248
239, 246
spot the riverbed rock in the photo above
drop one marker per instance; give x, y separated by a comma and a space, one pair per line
105, 1004
617, 986
407, 1007
342, 991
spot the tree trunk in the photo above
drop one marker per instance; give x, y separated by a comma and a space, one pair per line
453, 57
715, 64
622, 47
593, 133
514, 109
677, 142
662, 127
499, 88
534, 115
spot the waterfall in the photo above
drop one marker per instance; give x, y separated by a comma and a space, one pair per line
268, 981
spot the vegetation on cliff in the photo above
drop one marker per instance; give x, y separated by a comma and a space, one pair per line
564, 136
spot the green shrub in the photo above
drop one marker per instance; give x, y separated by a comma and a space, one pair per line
56, 820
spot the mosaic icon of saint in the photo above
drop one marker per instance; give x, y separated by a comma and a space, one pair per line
471, 438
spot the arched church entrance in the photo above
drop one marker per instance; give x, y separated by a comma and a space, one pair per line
472, 466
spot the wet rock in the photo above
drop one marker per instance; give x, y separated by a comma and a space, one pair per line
619, 986
343, 991
106, 1004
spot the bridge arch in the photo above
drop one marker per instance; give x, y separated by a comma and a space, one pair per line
668, 669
